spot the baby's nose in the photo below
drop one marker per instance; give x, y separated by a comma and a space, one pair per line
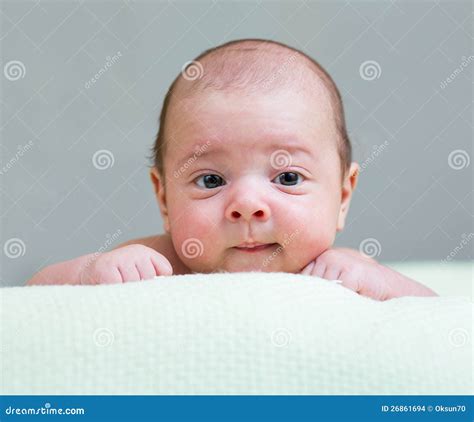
247, 211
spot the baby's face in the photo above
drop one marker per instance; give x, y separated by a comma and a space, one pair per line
255, 169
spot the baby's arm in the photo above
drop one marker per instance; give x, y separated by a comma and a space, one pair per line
364, 275
67, 272
128, 263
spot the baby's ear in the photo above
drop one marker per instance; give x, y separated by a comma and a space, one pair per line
159, 187
348, 185
155, 179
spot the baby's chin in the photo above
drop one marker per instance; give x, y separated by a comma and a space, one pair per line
250, 264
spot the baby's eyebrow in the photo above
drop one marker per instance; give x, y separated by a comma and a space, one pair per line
199, 152
277, 150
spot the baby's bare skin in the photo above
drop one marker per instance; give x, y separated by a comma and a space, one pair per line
136, 260
162, 244
152, 256
255, 179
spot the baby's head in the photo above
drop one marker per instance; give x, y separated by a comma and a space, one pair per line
252, 149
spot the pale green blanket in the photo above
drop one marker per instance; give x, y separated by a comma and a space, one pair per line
241, 333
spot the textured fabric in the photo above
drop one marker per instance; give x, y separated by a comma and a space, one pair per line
240, 333
446, 279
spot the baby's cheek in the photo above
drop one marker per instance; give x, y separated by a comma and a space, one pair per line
316, 244
310, 235
195, 242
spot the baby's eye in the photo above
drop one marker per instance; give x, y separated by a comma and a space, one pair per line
210, 181
288, 178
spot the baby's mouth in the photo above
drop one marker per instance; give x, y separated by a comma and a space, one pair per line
253, 248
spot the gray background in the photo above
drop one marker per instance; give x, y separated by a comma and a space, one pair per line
56, 205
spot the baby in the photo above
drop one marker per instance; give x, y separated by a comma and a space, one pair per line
252, 171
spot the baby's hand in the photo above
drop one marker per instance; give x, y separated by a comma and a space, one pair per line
364, 275
129, 263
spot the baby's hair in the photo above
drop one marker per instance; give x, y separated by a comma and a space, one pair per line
228, 67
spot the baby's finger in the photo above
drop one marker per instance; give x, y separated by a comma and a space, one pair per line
364, 286
375, 289
146, 269
331, 273
161, 264
319, 269
347, 279
103, 276
129, 272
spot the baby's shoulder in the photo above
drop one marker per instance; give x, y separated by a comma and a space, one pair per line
159, 242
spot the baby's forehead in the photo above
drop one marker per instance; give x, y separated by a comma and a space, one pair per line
252, 82
228, 129
241, 73
281, 114
249, 122
253, 70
